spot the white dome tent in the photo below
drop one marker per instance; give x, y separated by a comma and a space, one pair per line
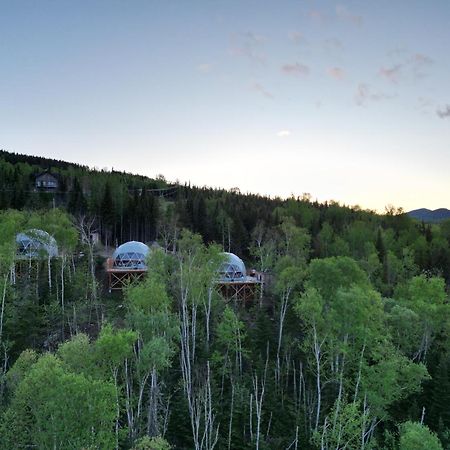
232, 269
131, 256
233, 283
36, 243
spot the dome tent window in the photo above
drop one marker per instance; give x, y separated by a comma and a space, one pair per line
131, 255
232, 280
36, 244
233, 268
127, 264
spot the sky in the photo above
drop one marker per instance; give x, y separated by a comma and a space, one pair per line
345, 100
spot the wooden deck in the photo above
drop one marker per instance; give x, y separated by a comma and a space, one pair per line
120, 277
244, 291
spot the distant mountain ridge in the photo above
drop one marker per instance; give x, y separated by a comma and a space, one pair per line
427, 215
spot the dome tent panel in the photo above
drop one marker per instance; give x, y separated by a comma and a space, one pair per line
36, 243
131, 255
233, 268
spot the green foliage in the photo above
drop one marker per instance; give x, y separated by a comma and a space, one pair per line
352, 330
414, 436
392, 378
426, 297
59, 225
113, 346
405, 328
440, 393
55, 408
229, 340
229, 329
155, 443
77, 355
329, 274
149, 314
342, 428
11, 222
20, 369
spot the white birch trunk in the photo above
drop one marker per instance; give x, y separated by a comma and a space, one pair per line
2, 312
317, 356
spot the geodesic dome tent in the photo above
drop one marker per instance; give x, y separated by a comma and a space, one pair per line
131, 255
232, 269
36, 243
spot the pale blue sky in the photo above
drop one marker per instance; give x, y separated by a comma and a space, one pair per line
338, 99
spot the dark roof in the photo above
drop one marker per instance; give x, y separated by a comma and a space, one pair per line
47, 172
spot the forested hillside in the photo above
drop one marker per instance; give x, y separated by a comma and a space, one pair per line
426, 215
348, 348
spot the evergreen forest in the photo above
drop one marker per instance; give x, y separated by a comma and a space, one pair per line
347, 346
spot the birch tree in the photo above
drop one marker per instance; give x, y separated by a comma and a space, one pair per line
289, 278
197, 270
113, 349
426, 297
149, 313
11, 222
59, 225
86, 227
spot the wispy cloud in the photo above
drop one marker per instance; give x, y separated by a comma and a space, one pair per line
364, 94
318, 16
398, 52
204, 67
444, 113
414, 66
262, 90
344, 14
341, 13
283, 133
425, 105
421, 59
333, 45
392, 73
296, 69
297, 38
420, 64
248, 45
336, 72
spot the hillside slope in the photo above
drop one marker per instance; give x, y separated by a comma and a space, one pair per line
430, 216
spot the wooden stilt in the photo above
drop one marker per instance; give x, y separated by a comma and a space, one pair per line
243, 291
120, 277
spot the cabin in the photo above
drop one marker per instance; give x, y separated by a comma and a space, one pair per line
46, 182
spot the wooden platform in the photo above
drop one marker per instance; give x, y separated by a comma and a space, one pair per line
120, 277
244, 291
